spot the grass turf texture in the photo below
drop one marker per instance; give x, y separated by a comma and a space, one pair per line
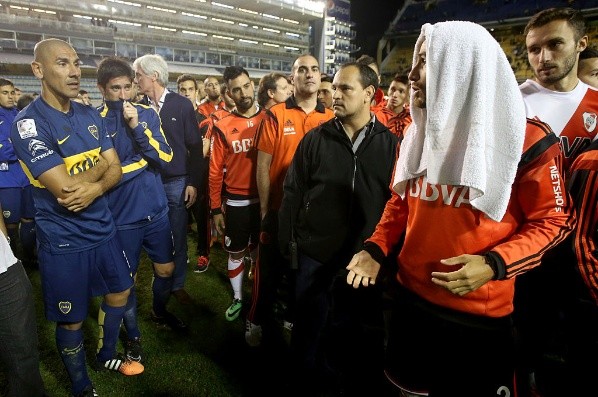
211, 359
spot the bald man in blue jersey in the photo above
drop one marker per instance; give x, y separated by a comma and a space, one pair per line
69, 158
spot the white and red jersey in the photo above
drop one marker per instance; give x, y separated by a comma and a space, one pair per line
233, 151
573, 115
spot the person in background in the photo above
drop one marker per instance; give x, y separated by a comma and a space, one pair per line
18, 331
474, 193
554, 39
398, 103
587, 68
325, 92
367, 60
398, 92
16, 192
379, 108
201, 91
272, 89
24, 100
276, 140
83, 97
234, 197
183, 175
18, 93
187, 87
140, 223
582, 313
213, 100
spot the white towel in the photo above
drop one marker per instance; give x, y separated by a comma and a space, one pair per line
472, 130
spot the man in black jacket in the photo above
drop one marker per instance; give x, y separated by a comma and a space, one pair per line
334, 194
182, 177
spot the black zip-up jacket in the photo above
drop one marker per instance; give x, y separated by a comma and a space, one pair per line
333, 197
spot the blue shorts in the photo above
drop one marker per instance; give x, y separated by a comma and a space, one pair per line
70, 280
17, 203
155, 237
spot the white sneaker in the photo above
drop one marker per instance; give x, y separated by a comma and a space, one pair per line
287, 325
253, 334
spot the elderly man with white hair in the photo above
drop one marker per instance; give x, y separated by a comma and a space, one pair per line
182, 176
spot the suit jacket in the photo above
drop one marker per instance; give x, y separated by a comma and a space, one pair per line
182, 133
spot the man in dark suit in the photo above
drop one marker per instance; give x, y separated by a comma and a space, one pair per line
182, 176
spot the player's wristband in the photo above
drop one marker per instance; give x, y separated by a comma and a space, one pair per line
492, 261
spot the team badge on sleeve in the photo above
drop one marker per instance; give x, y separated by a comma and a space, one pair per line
589, 121
93, 130
26, 128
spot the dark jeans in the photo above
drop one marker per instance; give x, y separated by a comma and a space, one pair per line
177, 214
338, 334
269, 286
200, 212
18, 334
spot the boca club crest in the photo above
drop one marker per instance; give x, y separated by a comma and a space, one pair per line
93, 130
64, 307
589, 121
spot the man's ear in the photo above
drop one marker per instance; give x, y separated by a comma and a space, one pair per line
102, 91
36, 67
369, 93
582, 44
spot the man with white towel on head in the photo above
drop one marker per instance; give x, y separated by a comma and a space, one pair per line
477, 191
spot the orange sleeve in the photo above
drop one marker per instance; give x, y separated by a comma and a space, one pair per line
399, 123
391, 226
584, 190
546, 214
206, 125
266, 134
218, 157
393, 221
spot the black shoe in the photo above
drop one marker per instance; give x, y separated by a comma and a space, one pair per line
89, 391
133, 349
182, 297
169, 319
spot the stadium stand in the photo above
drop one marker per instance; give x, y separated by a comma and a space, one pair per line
196, 37
505, 19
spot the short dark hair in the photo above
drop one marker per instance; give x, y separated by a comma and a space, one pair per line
367, 76
112, 67
366, 60
326, 79
573, 17
186, 77
401, 78
24, 100
268, 82
222, 89
83, 92
588, 53
232, 72
4, 82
